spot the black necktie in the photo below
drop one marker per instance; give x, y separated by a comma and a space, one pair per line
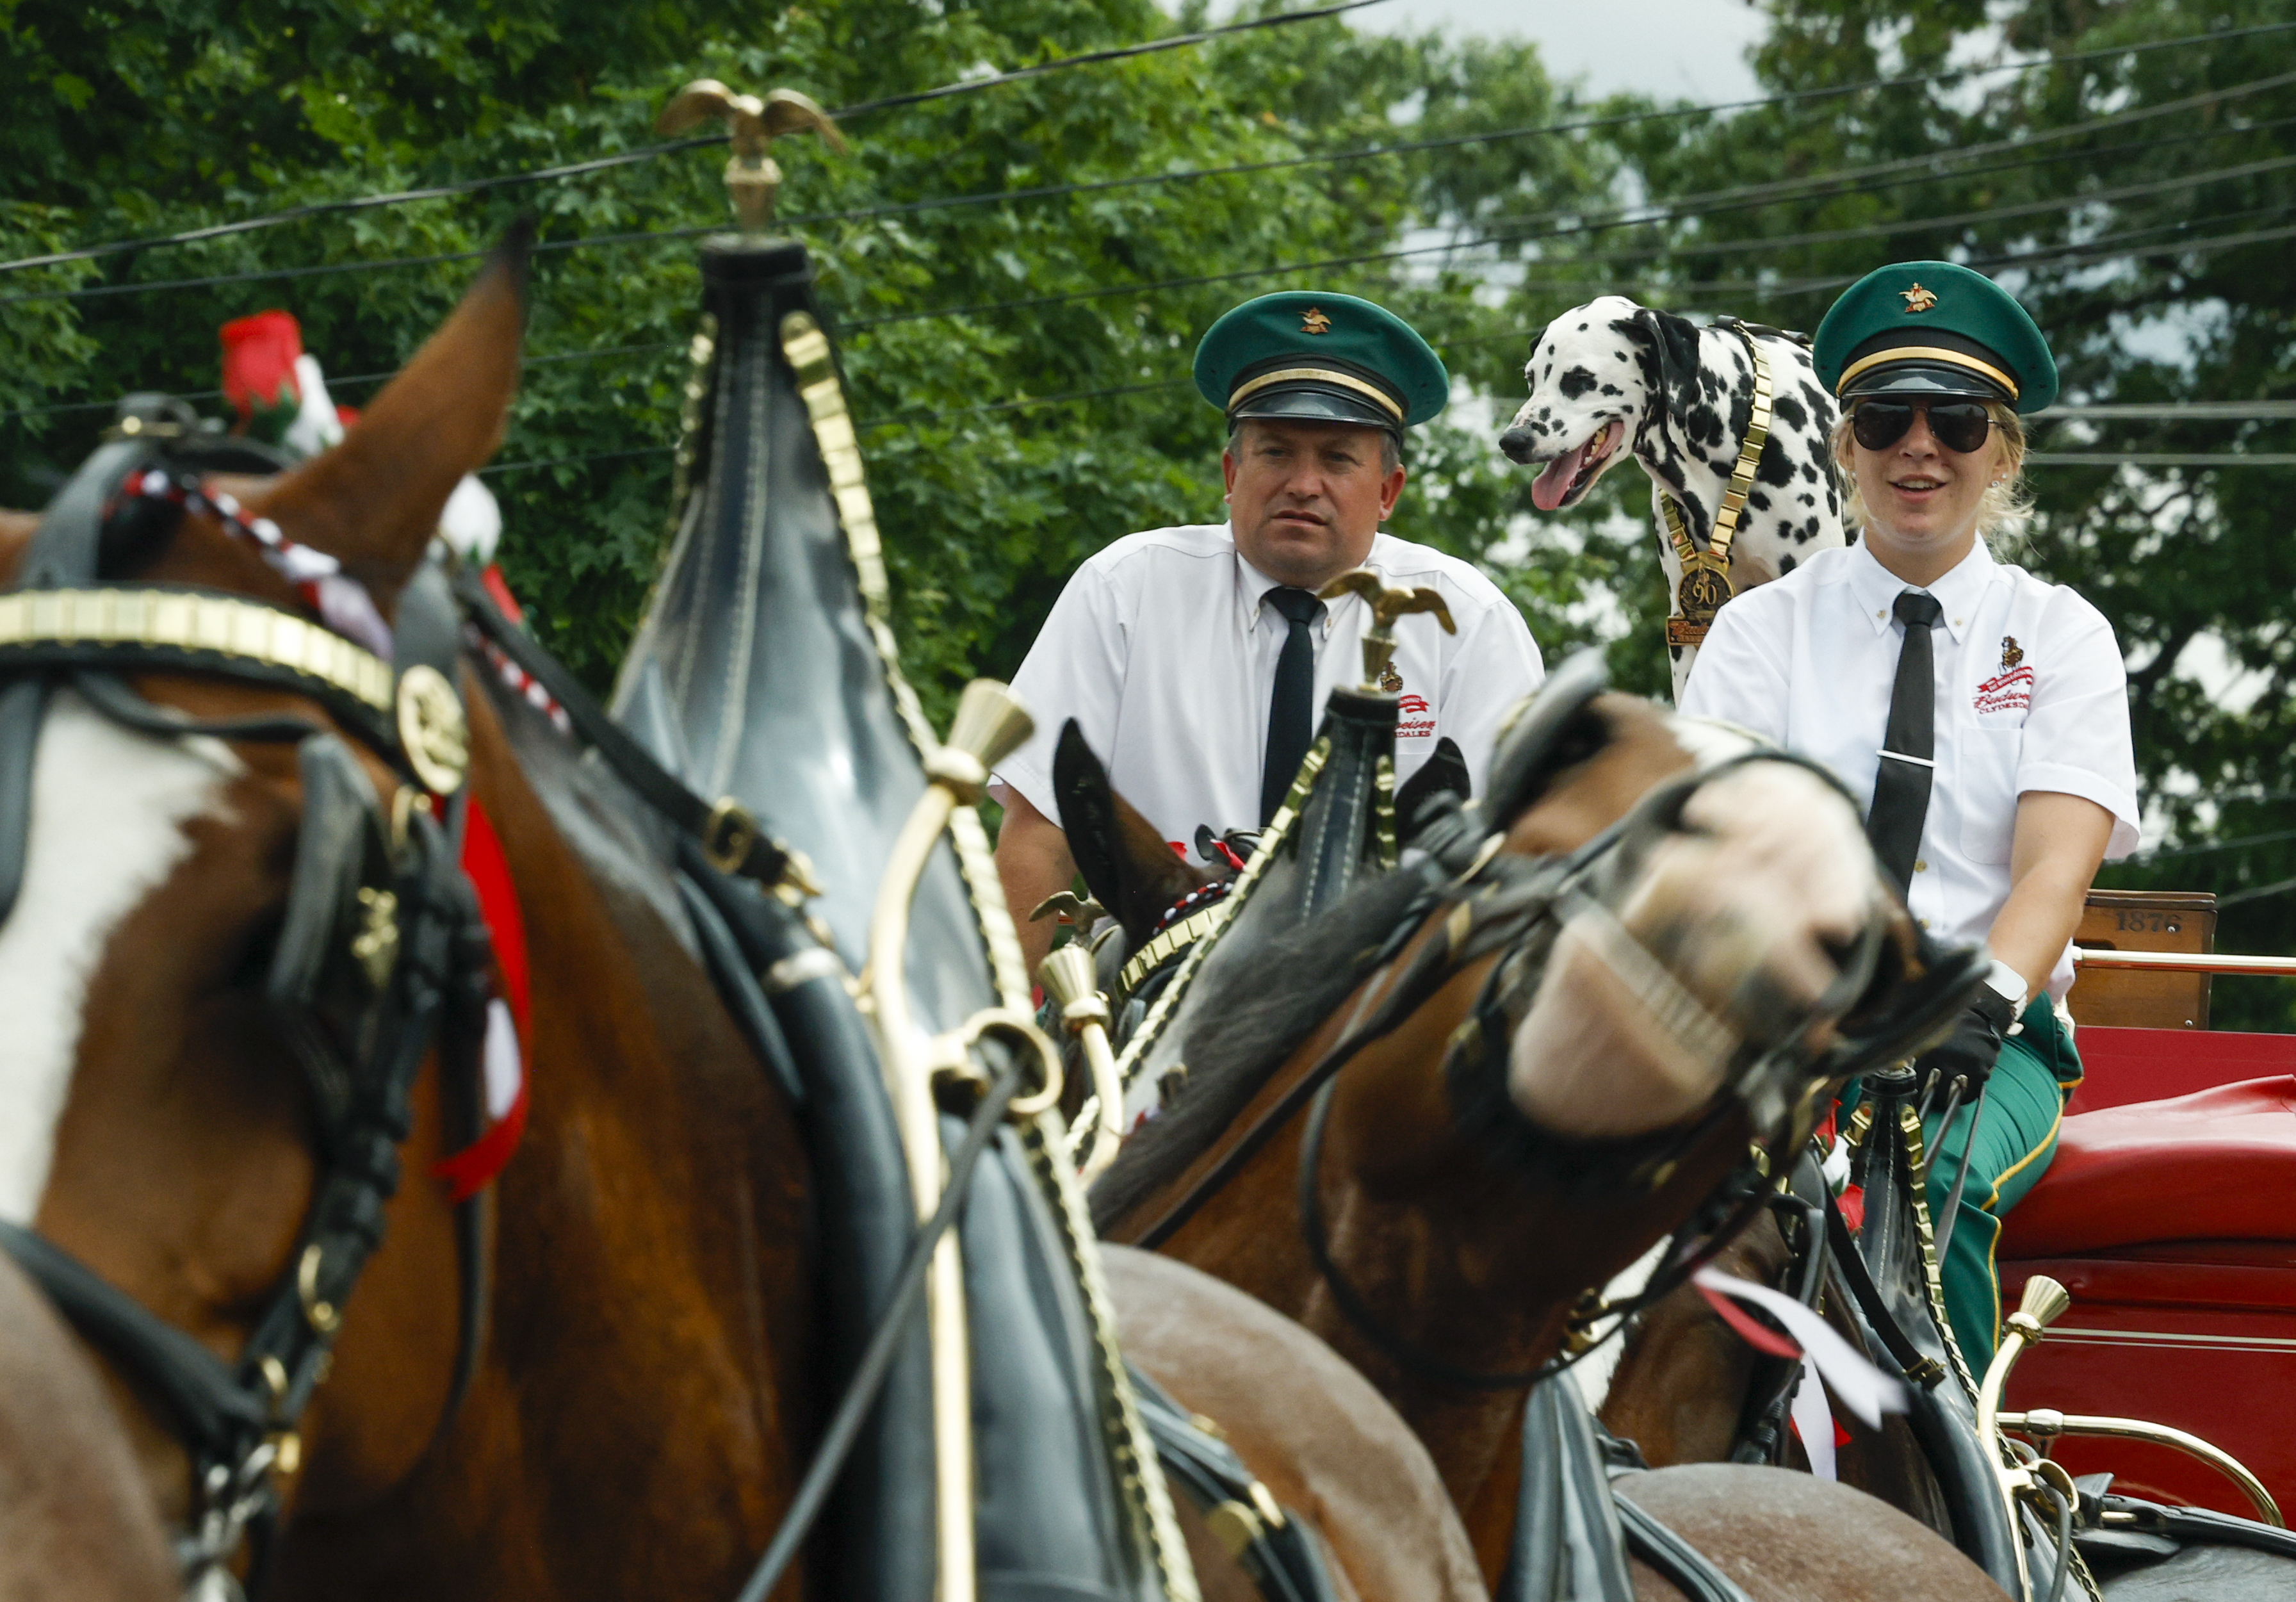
1901, 788
1291, 709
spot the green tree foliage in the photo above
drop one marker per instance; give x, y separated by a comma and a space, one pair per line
966, 329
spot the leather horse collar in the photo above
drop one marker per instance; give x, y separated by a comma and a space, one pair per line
382, 951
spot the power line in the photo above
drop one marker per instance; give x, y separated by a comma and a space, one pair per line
2145, 859
648, 153
346, 381
2258, 894
2162, 458
1870, 231
1782, 188
1922, 168
1907, 225
595, 456
1930, 167
1177, 41
2176, 411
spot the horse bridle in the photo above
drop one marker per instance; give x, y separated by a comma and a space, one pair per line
1515, 906
382, 951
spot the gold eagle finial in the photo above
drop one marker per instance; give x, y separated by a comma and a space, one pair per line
751, 177
1386, 605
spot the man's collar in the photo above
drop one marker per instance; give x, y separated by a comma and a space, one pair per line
1875, 588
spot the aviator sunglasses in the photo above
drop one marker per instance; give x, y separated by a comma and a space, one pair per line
1959, 425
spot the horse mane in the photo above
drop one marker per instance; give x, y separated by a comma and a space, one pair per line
625, 844
1246, 1022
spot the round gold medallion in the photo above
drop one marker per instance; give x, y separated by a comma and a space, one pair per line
431, 730
1701, 594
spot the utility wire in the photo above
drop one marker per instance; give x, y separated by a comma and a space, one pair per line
2161, 458
2176, 411
348, 382
2258, 894
2145, 859
1177, 41
1721, 246
1926, 167
1771, 290
648, 153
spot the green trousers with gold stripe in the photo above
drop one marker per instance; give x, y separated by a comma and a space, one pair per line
2024, 1100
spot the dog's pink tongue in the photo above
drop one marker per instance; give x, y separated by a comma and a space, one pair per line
1548, 489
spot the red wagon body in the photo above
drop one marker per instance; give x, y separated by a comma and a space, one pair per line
2170, 1215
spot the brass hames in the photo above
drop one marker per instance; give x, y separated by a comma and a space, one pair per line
752, 178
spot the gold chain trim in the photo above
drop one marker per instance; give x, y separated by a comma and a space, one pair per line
1144, 1039
806, 347
1145, 960
1147, 1499
240, 631
1705, 586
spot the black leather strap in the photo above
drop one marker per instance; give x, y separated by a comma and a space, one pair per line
722, 956
1282, 1558
23, 703
216, 1412
1682, 1564
729, 837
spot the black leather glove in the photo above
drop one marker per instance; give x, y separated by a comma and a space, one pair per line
1967, 1053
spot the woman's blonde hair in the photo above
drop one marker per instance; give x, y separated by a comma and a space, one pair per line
2003, 512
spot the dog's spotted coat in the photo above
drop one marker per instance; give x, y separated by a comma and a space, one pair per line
1624, 378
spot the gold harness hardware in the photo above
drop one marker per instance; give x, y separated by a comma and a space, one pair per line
1185, 932
222, 624
1705, 586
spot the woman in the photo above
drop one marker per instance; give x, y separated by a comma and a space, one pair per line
1984, 711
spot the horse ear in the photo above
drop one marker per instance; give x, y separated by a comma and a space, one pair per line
1445, 770
1125, 862
372, 502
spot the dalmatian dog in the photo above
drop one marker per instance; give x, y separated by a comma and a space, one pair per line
1611, 379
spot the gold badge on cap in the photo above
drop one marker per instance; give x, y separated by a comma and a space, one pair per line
1918, 298
1315, 322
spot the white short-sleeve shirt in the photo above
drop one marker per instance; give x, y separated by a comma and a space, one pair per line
2031, 694
1161, 649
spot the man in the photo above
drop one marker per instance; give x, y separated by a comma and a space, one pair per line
1197, 659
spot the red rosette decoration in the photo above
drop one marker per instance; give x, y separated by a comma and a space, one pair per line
258, 372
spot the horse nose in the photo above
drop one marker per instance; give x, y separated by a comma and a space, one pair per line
1517, 442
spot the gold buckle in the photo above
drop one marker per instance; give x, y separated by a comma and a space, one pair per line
729, 835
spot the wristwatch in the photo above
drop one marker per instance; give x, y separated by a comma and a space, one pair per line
2009, 984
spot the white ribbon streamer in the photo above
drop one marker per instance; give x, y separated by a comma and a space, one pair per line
1855, 1383
1813, 1420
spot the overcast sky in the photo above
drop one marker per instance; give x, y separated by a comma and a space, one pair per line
1695, 48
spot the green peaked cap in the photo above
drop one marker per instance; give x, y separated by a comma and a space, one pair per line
1935, 328
1321, 357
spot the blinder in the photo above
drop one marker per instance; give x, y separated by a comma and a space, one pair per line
338, 942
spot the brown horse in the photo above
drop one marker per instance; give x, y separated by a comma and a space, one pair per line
651, 1376
1575, 1123
74, 1519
